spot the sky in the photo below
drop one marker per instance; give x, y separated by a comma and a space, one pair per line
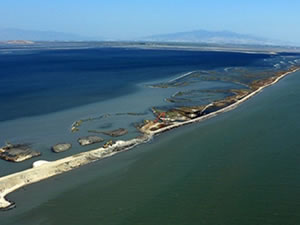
126, 19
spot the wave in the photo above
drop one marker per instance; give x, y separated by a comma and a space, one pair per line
227, 69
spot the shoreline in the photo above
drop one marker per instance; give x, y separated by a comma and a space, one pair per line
225, 109
17, 180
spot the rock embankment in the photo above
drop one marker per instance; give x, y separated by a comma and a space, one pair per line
116, 133
61, 147
17, 152
89, 140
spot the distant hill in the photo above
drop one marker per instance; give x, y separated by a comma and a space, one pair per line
31, 35
20, 36
213, 37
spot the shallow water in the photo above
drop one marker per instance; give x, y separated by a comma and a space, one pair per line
241, 168
42, 92
54, 80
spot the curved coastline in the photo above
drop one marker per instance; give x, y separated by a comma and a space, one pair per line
15, 181
225, 109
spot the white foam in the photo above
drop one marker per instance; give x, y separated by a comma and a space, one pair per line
181, 76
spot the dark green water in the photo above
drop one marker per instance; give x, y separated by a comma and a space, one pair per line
242, 167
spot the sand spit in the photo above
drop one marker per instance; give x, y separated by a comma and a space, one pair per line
226, 109
15, 181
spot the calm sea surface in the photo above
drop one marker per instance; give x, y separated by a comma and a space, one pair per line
42, 92
52, 80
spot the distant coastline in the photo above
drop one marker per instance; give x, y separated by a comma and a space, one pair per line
18, 42
45, 170
155, 45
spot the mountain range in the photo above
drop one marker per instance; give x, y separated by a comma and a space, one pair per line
198, 36
213, 37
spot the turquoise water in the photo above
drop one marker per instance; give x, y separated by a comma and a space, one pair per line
241, 168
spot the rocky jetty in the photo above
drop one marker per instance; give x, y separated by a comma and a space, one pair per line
17, 152
89, 140
61, 147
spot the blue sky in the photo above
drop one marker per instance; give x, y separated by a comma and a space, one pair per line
277, 19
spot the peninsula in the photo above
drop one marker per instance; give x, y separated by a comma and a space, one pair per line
164, 121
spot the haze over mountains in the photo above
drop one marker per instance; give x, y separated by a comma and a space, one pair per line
198, 36
214, 37
33, 35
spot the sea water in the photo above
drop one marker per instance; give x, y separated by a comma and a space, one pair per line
44, 91
240, 168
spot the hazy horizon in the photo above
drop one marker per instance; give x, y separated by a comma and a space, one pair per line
119, 20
